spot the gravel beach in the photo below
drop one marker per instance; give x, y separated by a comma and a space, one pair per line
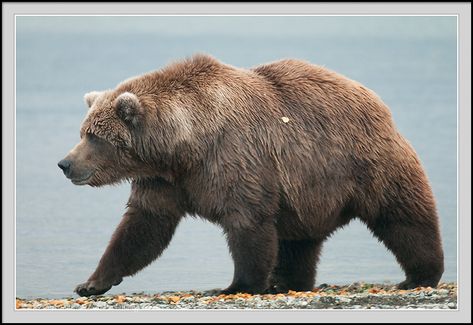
353, 296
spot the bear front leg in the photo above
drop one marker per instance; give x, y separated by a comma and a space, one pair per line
139, 239
253, 247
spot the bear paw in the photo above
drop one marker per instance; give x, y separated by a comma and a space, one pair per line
234, 289
410, 284
94, 287
277, 288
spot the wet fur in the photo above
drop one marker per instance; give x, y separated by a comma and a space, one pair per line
210, 140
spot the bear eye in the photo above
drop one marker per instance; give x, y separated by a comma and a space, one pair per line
97, 140
93, 138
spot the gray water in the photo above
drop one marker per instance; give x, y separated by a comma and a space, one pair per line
62, 229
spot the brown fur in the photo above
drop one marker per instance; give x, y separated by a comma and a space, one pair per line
280, 156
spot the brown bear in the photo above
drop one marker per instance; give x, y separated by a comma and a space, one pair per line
280, 156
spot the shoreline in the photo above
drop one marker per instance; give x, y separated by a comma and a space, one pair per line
354, 296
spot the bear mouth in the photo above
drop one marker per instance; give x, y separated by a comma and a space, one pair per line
82, 181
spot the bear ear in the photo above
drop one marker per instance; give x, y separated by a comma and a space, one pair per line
128, 108
91, 97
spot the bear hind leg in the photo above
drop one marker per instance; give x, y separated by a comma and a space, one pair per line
254, 251
296, 266
415, 241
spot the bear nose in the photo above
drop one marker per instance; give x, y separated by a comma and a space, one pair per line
64, 165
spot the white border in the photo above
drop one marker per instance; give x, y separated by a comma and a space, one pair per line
256, 15
349, 7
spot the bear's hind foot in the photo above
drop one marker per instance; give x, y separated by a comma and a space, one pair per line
410, 284
233, 289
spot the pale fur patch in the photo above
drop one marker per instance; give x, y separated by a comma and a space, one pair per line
91, 97
220, 95
181, 120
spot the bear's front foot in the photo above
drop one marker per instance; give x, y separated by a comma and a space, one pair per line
94, 287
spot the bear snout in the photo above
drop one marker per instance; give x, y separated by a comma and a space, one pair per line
65, 165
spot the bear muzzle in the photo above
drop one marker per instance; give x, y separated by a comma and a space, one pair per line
76, 177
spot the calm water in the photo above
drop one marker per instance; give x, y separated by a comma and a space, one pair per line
62, 229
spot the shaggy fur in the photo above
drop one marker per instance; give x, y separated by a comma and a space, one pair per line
279, 156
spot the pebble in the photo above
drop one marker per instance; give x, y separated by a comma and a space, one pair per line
100, 304
354, 296
344, 299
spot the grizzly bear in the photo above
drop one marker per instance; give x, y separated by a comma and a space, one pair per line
279, 156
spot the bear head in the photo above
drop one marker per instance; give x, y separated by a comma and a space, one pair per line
154, 125
107, 153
